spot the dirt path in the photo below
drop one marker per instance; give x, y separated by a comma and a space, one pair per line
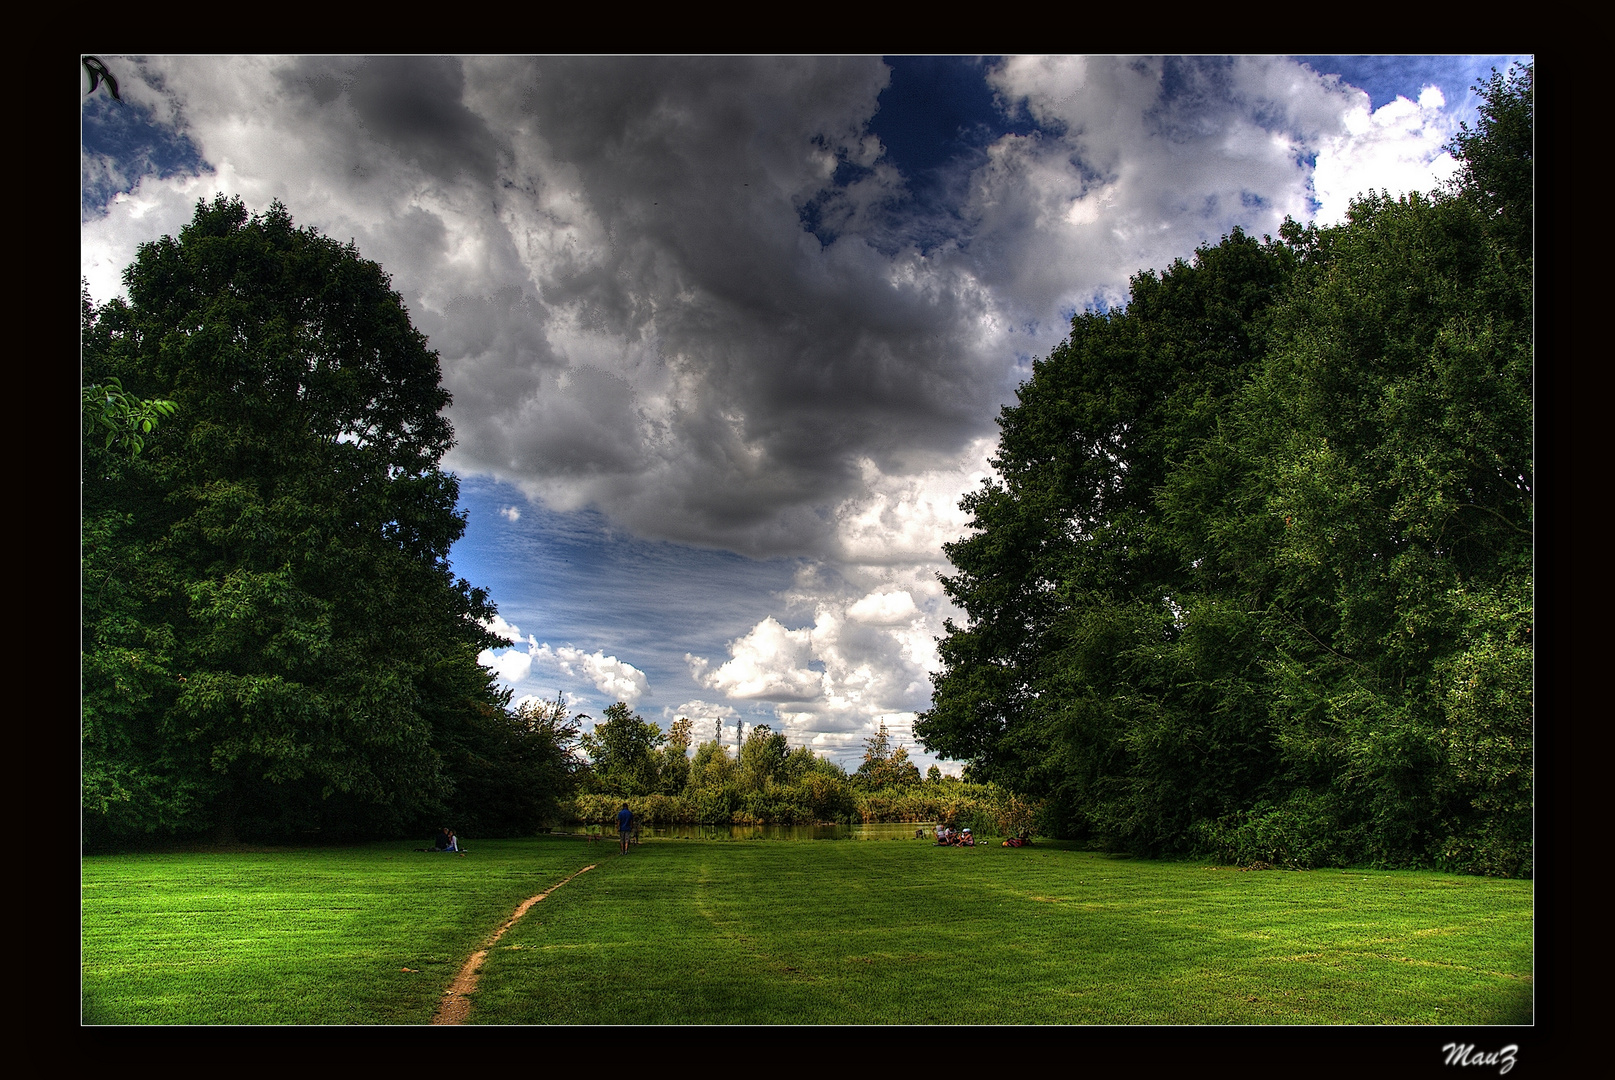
456, 1003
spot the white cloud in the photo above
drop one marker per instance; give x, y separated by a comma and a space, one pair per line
857, 662
884, 608
610, 258
769, 662
699, 712
707, 721
511, 514
1397, 147
510, 665
616, 679
504, 629
905, 519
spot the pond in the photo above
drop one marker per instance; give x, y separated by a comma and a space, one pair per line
880, 830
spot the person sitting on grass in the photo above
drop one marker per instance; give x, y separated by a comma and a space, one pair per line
625, 825
441, 841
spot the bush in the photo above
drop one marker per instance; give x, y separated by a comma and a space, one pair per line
1302, 833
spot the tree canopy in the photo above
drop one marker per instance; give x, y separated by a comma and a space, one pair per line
1254, 577
622, 749
886, 766
273, 640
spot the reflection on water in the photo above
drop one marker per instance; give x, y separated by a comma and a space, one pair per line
884, 830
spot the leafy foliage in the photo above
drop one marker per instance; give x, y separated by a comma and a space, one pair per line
1498, 156
766, 783
273, 641
1255, 576
1100, 668
622, 750
124, 419
883, 766
512, 770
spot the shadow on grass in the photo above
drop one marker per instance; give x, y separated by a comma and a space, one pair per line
1514, 1005
92, 1012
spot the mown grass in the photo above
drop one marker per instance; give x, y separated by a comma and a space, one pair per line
311, 936
876, 932
906, 933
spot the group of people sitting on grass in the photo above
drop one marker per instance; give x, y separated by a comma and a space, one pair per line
947, 837
447, 842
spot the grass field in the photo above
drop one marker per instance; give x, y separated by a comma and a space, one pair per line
876, 932
310, 936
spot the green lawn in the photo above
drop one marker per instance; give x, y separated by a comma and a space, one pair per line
310, 936
883, 932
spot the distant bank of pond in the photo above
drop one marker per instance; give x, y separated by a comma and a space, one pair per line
884, 830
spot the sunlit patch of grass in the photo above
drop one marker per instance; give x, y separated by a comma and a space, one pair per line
775, 932
360, 935
861, 933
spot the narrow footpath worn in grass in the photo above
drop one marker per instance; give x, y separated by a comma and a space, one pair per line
456, 1003
903, 932
354, 935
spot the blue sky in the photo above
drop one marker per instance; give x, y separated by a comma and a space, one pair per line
727, 336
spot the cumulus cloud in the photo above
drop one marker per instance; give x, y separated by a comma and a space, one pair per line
504, 629
864, 660
707, 721
884, 608
616, 679
512, 666
1397, 147
697, 711
1139, 160
769, 662
699, 294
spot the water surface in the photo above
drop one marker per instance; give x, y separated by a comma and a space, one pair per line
882, 830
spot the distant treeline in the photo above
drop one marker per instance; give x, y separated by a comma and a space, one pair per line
768, 783
1254, 578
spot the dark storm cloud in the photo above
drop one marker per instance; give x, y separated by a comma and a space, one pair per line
410, 104
703, 296
755, 365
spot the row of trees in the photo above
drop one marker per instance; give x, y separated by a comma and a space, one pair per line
273, 643
767, 781
1255, 578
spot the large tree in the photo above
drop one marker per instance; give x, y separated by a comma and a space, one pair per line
1370, 499
273, 641
623, 752
1094, 668
1256, 575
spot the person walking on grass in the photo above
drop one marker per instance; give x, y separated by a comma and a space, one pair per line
625, 825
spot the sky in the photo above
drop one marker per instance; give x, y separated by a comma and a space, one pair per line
727, 336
